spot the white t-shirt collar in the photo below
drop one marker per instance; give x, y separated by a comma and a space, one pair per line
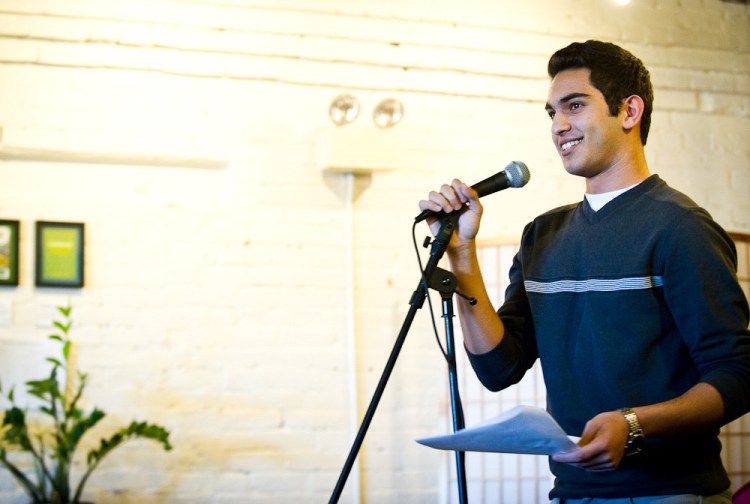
597, 201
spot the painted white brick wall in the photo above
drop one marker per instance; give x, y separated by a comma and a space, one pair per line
215, 284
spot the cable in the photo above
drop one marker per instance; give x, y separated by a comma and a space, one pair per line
427, 290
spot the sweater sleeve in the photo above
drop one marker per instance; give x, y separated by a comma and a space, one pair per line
701, 289
507, 363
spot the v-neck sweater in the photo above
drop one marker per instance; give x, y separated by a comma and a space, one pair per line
626, 306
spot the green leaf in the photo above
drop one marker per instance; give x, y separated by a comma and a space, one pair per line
47, 410
134, 430
54, 361
63, 327
65, 310
14, 417
81, 425
16, 433
55, 337
37, 387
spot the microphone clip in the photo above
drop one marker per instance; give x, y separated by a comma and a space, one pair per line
444, 282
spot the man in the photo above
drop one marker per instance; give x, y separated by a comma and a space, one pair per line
629, 298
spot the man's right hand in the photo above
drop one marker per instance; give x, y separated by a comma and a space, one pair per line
456, 197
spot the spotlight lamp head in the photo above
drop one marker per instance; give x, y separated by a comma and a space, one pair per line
388, 113
344, 109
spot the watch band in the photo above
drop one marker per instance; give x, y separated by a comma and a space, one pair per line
635, 433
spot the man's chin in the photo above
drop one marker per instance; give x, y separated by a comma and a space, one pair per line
574, 169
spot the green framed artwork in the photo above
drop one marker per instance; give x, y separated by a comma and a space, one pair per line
59, 254
9, 252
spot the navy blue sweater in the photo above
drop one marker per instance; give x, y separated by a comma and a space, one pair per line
628, 306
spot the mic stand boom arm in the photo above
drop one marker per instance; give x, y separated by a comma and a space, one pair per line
445, 283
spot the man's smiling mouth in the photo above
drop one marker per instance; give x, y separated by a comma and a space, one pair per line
568, 145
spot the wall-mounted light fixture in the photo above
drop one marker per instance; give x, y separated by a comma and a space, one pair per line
362, 147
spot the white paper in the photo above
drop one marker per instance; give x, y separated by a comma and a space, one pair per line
523, 429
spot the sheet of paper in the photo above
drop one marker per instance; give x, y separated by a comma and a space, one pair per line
523, 429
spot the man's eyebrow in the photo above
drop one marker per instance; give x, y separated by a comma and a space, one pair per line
566, 99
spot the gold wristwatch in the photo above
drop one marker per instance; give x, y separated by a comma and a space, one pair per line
635, 435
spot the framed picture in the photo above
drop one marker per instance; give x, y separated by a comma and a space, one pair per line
9, 252
59, 254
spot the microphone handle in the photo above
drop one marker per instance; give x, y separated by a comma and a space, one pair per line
490, 185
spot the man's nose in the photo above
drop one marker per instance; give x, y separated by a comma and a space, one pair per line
560, 124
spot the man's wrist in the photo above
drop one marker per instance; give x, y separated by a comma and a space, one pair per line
466, 252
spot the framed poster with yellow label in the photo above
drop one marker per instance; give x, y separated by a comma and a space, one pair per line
59, 254
9, 252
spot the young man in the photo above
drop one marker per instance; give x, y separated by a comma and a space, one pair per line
629, 298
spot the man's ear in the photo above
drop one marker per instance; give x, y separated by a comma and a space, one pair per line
632, 111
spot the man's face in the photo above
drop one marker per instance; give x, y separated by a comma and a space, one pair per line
587, 137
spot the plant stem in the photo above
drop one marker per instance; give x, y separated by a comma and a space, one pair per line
23, 480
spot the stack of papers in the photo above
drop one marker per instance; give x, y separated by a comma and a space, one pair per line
523, 429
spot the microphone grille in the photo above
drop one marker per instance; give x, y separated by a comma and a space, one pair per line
517, 174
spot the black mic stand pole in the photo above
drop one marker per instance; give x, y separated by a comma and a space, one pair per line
445, 282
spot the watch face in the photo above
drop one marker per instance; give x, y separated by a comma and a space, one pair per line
635, 444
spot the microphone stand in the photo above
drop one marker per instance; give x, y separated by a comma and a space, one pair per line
445, 282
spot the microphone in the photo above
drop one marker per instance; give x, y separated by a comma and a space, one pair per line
516, 174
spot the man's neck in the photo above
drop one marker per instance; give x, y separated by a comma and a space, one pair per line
631, 171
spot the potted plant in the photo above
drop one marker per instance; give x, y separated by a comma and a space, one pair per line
52, 447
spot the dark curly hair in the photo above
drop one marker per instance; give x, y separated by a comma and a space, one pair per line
615, 72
